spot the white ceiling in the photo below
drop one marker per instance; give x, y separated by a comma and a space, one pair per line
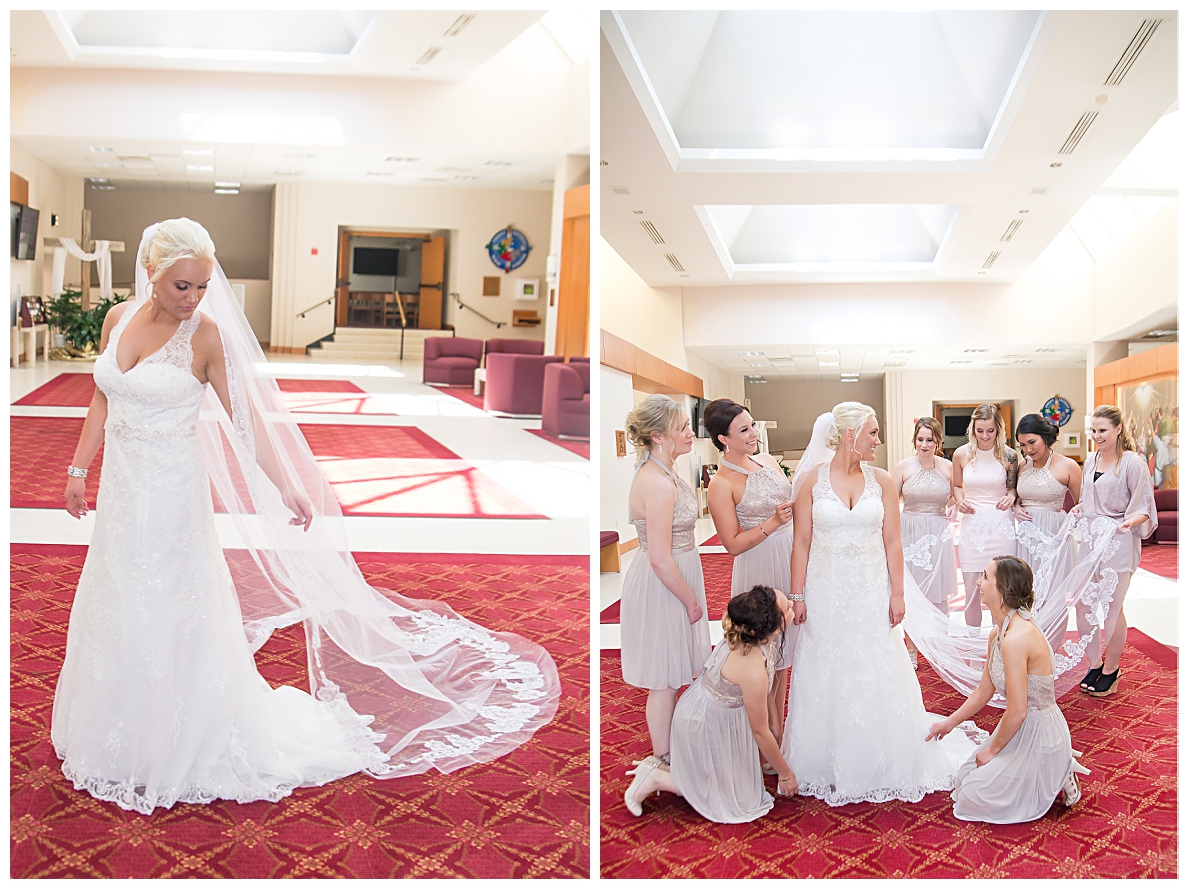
666, 163
490, 107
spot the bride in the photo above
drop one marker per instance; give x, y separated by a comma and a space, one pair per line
856, 723
159, 699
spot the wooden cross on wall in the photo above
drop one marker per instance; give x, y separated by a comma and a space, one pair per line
87, 244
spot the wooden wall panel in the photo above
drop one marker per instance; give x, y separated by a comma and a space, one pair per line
18, 189
649, 373
1166, 359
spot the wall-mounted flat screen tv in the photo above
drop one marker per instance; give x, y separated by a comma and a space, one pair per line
24, 241
376, 261
699, 418
956, 424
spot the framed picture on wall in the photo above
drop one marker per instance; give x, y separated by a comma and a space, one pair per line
1072, 439
528, 288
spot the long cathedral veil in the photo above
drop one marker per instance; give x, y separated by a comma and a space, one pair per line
1072, 582
443, 691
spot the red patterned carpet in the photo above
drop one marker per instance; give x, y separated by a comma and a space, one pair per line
1124, 827
526, 815
581, 448
64, 390
463, 393
1160, 558
716, 570
390, 471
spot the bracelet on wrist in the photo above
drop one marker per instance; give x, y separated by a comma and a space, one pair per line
75, 472
796, 597
765, 530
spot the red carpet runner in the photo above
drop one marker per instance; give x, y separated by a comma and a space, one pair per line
463, 393
526, 815
581, 448
390, 471
1160, 558
1124, 827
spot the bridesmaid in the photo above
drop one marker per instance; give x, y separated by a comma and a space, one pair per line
726, 718
1016, 774
752, 510
985, 492
665, 637
1044, 479
1116, 483
924, 481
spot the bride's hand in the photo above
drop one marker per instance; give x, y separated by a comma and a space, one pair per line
798, 613
896, 610
76, 497
299, 505
939, 730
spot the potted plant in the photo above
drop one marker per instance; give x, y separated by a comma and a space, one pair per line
61, 312
81, 328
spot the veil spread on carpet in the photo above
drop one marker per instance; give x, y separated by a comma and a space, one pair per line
1072, 582
444, 692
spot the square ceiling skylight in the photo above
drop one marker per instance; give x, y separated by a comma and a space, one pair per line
832, 85
830, 237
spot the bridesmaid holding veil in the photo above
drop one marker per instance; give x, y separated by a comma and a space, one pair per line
665, 635
751, 505
1045, 478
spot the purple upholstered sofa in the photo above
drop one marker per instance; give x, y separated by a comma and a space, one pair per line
565, 404
451, 360
515, 347
515, 383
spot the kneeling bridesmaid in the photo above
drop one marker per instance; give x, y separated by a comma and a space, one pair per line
1015, 775
724, 717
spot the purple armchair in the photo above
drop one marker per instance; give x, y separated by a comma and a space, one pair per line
565, 405
450, 360
1166, 517
515, 383
515, 347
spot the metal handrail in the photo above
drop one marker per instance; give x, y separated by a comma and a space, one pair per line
316, 305
498, 324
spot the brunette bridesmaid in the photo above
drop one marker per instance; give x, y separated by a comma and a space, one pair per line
1045, 477
1116, 484
985, 492
665, 637
752, 512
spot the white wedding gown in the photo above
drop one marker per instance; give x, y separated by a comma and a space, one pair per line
856, 722
159, 699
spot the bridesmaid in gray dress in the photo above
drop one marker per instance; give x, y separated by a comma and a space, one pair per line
1017, 773
1045, 477
725, 722
924, 482
664, 634
751, 505
1116, 484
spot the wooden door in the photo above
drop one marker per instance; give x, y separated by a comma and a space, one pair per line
573, 290
342, 286
433, 283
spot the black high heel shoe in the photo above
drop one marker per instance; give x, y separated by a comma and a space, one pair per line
1106, 684
1091, 679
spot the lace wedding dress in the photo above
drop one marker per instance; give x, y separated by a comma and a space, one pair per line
856, 722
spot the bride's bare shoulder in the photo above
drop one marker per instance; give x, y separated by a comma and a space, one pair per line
206, 337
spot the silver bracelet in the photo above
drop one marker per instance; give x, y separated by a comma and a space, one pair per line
75, 472
796, 597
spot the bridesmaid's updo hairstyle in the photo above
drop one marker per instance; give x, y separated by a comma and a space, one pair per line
1013, 577
751, 617
1035, 424
1112, 413
848, 415
176, 239
933, 426
656, 414
989, 412
720, 414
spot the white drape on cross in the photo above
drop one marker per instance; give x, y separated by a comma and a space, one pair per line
102, 256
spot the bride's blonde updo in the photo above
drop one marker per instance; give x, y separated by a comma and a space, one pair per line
848, 415
176, 239
656, 414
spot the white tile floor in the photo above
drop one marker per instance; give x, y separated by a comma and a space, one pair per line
549, 478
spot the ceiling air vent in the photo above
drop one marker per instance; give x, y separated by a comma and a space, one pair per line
459, 23
673, 261
429, 55
991, 259
1011, 229
1040, 189
619, 189
1134, 48
652, 232
1075, 137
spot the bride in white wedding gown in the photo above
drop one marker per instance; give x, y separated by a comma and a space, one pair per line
856, 723
159, 699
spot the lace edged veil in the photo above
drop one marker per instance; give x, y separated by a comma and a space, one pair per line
443, 692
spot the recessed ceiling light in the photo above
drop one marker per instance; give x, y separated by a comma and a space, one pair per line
976, 350
96, 180
226, 185
1055, 164
204, 152
296, 154
893, 364
499, 163
619, 189
466, 177
1048, 350
1024, 211
959, 362
401, 160
983, 272
746, 354
901, 351
95, 149
827, 364
108, 166
374, 173
825, 351
226, 191
288, 172
200, 168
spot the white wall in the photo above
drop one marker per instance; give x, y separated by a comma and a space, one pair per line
795, 407
50, 192
911, 393
615, 473
1139, 277
257, 305
308, 215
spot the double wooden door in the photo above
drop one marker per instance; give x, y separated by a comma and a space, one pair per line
433, 277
